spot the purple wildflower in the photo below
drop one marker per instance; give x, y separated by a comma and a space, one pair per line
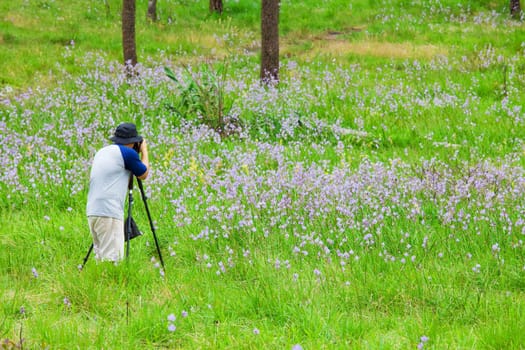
67, 302
422, 342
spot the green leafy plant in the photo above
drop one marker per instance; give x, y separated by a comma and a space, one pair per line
202, 98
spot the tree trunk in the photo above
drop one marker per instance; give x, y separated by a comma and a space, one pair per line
515, 9
128, 33
216, 6
270, 40
152, 10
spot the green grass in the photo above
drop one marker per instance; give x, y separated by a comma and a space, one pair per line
375, 197
374, 305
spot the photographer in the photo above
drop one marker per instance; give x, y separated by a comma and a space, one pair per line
113, 167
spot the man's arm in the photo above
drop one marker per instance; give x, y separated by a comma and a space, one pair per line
145, 159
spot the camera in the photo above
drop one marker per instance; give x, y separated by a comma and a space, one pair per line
136, 146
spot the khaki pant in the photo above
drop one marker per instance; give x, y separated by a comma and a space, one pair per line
108, 238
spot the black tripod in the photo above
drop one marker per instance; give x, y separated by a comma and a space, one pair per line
130, 228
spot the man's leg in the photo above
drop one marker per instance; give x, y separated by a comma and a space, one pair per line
108, 238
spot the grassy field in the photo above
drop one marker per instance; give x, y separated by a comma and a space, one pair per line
373, 199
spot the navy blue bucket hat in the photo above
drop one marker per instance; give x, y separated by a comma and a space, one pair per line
126, 133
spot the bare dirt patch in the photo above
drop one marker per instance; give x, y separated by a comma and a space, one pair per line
337, 43
20, 21
377, 49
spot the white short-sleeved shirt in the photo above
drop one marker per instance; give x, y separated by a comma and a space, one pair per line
109, 179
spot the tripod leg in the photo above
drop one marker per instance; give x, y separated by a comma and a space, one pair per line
144, 199
127, 228
158, 248
86, 258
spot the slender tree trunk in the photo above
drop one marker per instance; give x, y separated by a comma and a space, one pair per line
152, 10
128, 32
515, 9
270, 40
216, 6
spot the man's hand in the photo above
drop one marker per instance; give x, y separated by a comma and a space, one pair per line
143, 147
